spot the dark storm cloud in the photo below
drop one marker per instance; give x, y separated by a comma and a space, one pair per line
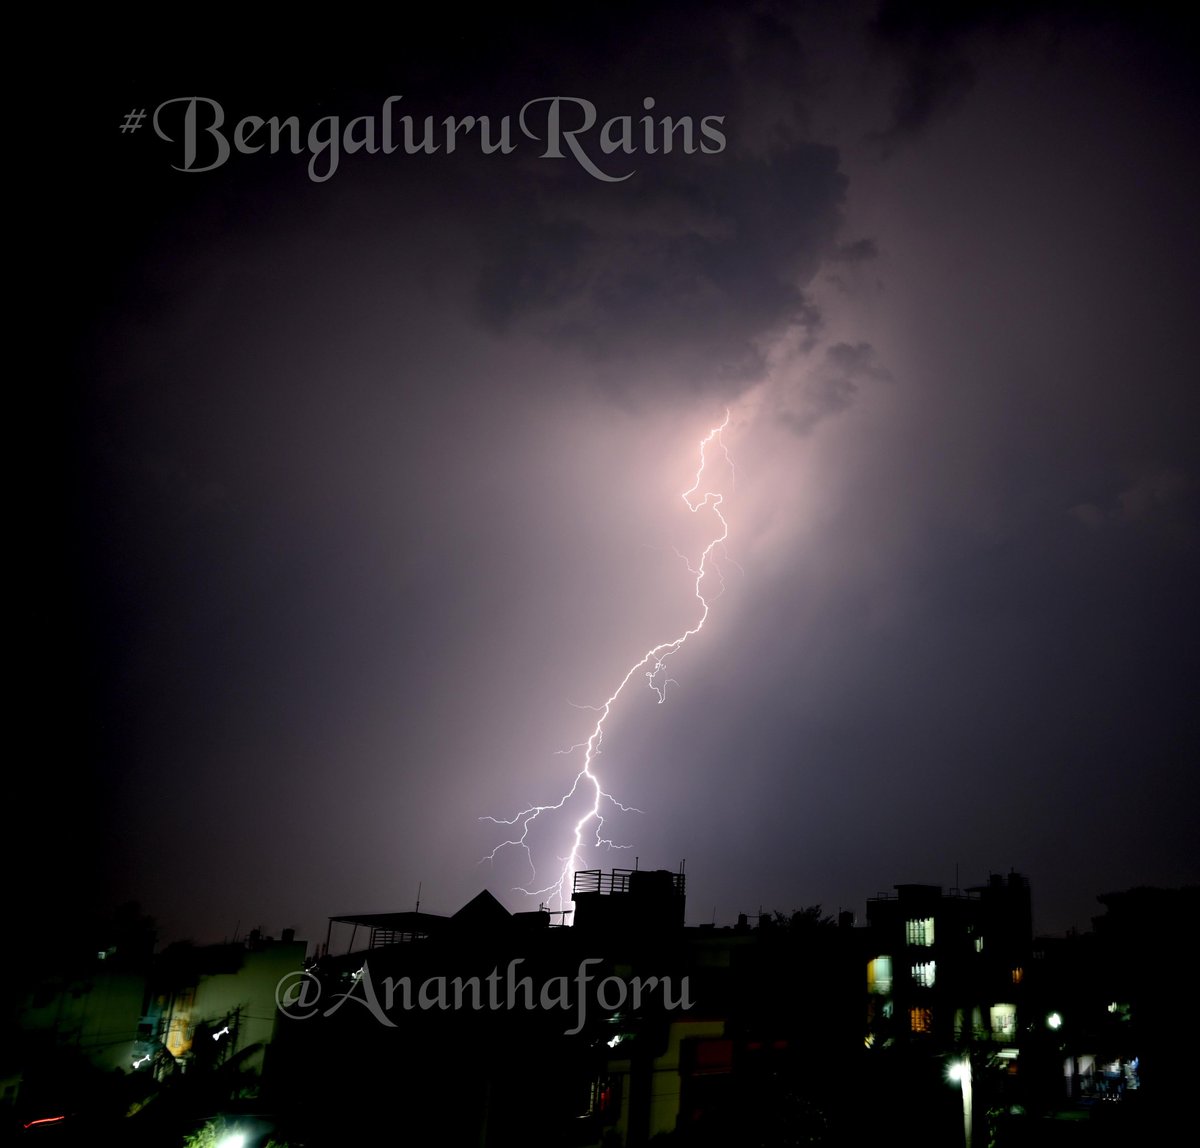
681, 273
929, 40
687, 273
934, 83
677, 276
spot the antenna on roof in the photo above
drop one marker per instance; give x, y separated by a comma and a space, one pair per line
418, 909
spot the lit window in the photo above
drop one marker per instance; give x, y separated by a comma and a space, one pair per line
920, 1019
1004, 1020
979, 944
879, 975
924, 974
1018, 975
919, 931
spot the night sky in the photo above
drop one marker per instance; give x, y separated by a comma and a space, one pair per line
342, 495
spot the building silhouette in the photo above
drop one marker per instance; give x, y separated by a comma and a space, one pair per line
940, 1016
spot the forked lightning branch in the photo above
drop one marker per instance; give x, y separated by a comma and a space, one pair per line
704, 496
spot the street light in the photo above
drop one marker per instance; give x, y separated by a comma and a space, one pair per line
960, 1073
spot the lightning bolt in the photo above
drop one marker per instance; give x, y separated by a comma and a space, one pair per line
653, 666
